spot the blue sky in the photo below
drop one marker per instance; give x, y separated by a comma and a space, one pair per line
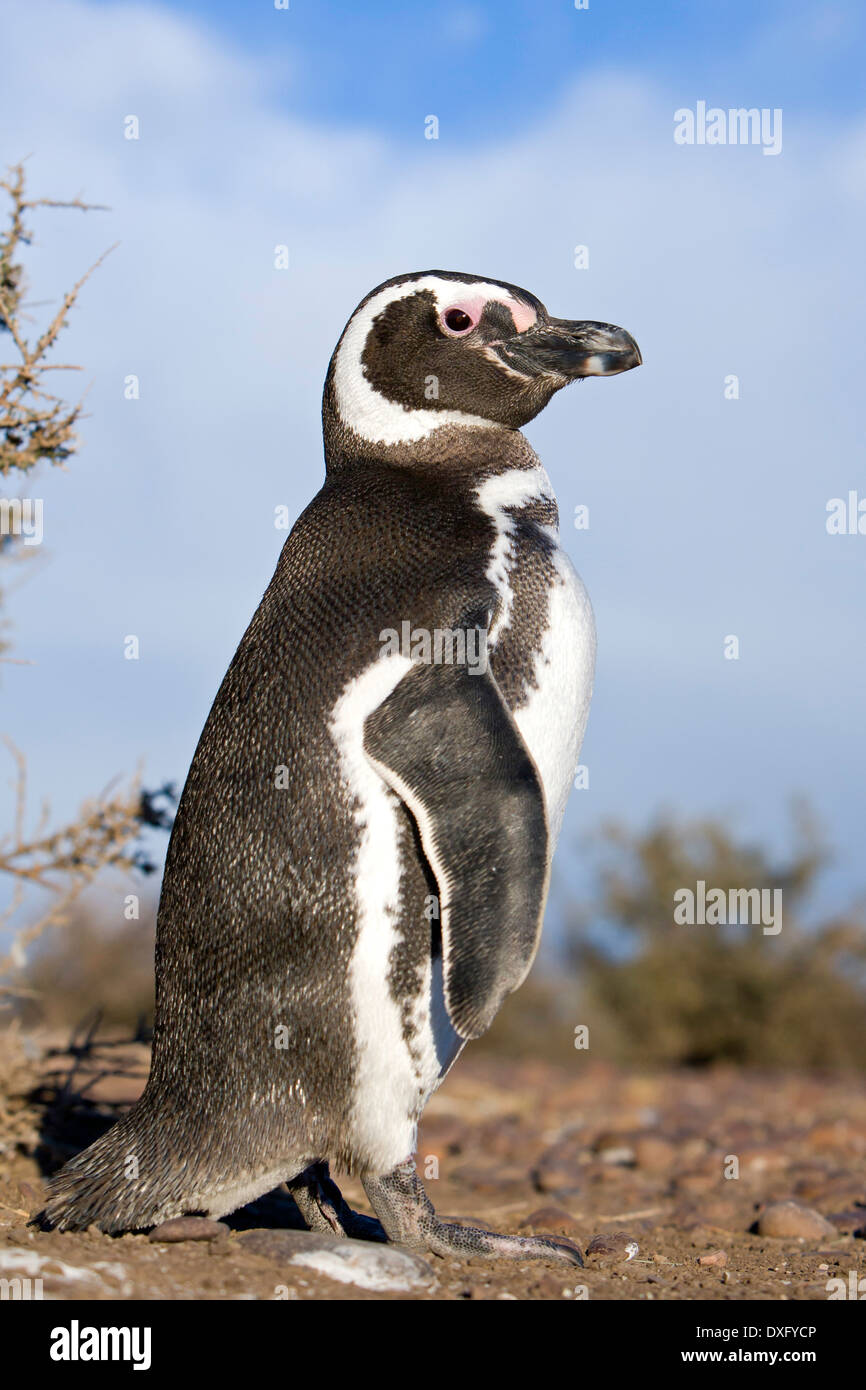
306, 127
488, 68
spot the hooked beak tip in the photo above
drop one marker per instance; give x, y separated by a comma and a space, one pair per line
571, 350
607, 351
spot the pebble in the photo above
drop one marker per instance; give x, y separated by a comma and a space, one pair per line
617, 1245
614, 1148
557, 1168
717, 1257
188, 1228
791, 1220
382, 1268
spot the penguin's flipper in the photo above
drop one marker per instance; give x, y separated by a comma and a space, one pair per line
445, 741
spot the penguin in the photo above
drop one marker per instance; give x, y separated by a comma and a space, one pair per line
357, 871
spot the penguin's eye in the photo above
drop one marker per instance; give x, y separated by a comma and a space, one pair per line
457, 321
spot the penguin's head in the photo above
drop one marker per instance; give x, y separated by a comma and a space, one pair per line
438, 348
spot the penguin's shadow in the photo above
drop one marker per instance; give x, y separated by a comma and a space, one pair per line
71, 1117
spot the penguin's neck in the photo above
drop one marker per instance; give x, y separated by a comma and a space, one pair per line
464, 449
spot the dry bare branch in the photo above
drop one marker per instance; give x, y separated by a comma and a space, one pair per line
35, 425
66, 859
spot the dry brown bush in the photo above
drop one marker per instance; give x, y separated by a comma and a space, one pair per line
37, 856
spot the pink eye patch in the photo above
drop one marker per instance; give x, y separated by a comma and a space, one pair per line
523, 314
463, 315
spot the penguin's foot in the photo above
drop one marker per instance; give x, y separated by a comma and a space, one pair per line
409, 1219
318, 1199
323, 1207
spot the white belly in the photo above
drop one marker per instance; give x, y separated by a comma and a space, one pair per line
554, 720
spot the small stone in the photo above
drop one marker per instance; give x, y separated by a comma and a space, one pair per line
792, 1221
188, 1228
614, 1148
612, 1245
716, 1257
551, 1175
382, 1268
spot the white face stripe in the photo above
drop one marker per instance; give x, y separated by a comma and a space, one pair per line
365, 410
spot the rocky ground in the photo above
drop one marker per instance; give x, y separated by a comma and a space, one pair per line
683, 1185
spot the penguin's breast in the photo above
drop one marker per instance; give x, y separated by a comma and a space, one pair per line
542, 640
553, 717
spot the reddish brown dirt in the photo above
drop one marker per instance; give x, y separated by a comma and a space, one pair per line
517, 1147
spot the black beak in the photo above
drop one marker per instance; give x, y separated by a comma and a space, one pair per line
560, 347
